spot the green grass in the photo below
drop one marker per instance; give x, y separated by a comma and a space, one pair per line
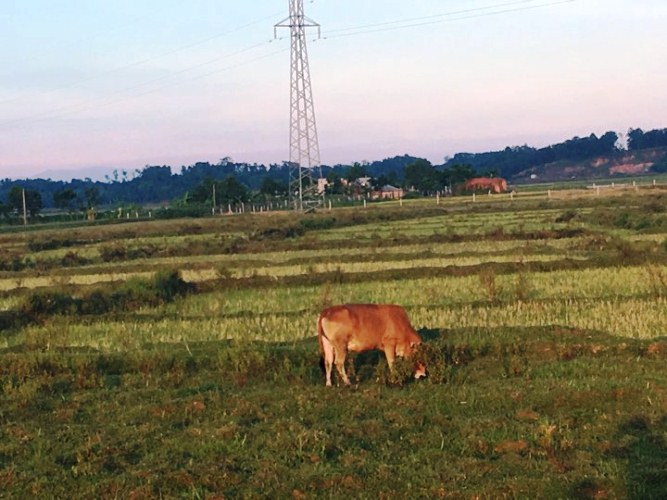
523, 412
545, 328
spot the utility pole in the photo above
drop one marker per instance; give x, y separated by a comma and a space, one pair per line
304, 145
25, 209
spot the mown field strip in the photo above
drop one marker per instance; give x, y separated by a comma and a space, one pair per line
67, 279
443, 226
632, 318
589, 284
92, 250
466, 219
205, 274
329, 253
135, 331
370, 267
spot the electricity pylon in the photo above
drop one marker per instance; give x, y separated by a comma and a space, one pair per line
304, 145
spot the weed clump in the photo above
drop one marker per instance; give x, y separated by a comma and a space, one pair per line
566, 216
12, 262
280, 233
113, 252
164, 287
658, 280
73, 259
39, 305
487, 280
318, 223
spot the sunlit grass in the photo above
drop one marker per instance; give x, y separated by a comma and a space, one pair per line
632, 318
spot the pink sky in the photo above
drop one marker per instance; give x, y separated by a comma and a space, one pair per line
128, 85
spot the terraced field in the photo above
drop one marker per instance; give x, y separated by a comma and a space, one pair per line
517, 300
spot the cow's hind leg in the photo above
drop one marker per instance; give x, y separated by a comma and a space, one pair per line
329, 356
340, 352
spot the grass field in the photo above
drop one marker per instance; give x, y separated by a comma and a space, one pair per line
178, 358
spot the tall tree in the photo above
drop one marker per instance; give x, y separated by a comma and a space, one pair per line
422, 176
4, 210
355, 172
64, 199
272, 187
92, 196
232, 191
457, 174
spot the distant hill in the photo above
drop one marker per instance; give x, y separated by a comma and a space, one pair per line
587, 157
642, 162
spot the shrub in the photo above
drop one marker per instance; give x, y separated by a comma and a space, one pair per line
142, 252
318, 223
280, 233
50, 244
73, 259
132, 294
566, 216
487, 280
167, 285
12, 263
113, 252
96, 302
630, 251
658, 280
231, 246
41, 304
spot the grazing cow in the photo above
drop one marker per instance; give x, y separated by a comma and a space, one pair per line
362, 327
491, 184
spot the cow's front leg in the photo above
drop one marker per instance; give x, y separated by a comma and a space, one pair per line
390, 353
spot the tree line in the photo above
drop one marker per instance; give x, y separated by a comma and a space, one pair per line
513, 160
232, 183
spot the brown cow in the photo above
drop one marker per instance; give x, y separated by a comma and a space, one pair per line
492, 184
362, 327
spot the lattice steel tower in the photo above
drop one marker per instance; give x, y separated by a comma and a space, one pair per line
304, 159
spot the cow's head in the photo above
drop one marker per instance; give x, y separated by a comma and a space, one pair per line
420, 370
420, 367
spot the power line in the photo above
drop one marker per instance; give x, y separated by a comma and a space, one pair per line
337, 33
437, 19
429, 17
